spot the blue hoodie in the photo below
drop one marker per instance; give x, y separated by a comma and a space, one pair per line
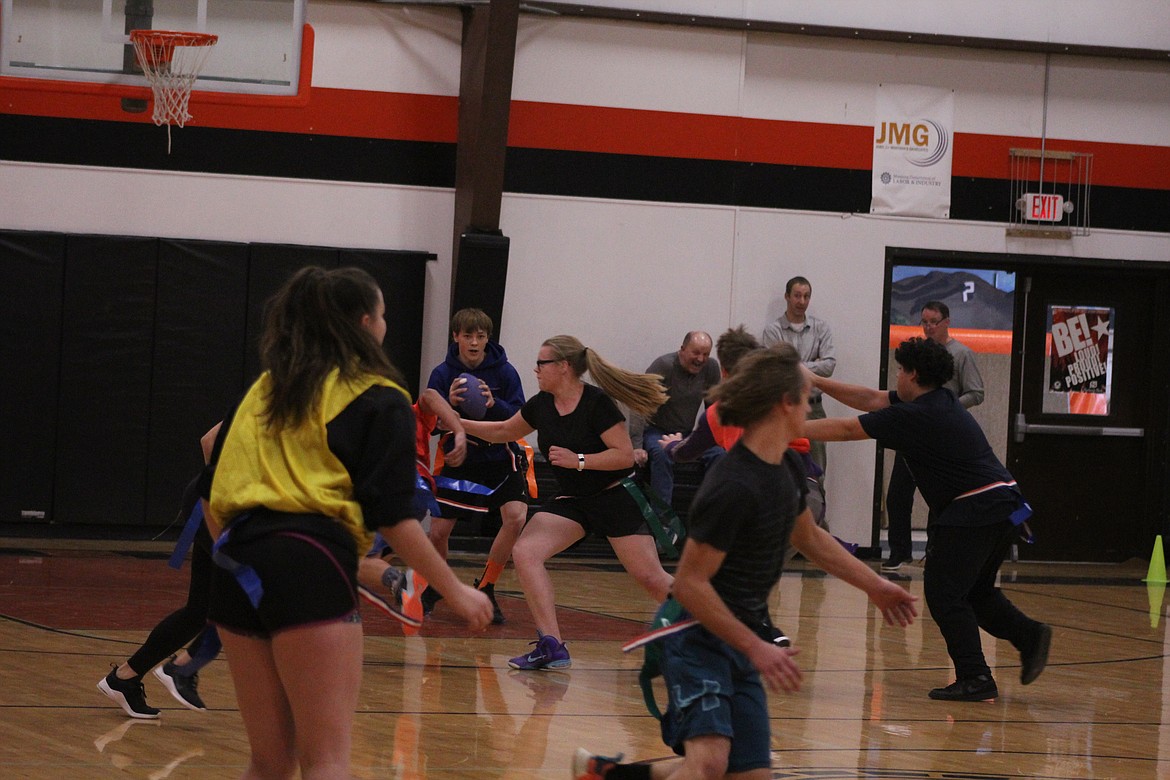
506, 389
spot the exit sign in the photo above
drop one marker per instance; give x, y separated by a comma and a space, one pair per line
1043, 207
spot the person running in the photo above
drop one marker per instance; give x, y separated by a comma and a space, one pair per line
584, 437
976, 510
316, 457
187, 624
749, 508
501, 467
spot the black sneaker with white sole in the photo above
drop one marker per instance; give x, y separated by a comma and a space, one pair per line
129, 694
893, 564
185, 688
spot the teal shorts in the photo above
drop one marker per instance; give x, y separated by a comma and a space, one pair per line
715, 691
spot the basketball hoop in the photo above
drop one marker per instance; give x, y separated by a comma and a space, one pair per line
171, 62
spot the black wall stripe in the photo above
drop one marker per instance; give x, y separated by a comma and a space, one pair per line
535, 171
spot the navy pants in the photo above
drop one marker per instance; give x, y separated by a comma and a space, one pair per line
961, 566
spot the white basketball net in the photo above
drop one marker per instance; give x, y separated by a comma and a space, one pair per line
171, 61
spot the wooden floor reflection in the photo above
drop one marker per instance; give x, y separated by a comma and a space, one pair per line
445, 705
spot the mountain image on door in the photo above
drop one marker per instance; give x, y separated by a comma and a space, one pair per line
974, 302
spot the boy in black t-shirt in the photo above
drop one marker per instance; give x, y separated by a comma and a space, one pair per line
750, 506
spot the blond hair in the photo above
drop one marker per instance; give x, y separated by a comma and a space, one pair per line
641, 393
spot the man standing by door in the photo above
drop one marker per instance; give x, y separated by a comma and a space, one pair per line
813, 340
967, 385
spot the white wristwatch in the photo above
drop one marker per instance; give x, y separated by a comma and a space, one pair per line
580, 461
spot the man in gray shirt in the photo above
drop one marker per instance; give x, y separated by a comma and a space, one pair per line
687, 375
813, 341
967, 385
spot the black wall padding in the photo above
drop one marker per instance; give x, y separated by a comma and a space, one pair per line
119, 353
31, 270
198, 359
103, 414
401, 275
270, 266
482, 276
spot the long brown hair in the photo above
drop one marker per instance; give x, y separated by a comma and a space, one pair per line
312, 325
641, 393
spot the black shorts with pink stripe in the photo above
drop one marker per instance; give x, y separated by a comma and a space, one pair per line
306, 566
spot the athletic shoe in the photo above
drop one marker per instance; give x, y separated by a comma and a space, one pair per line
981, 688
390, 605
498, 618
411, 588
587, 766
430, 598
894, 564
849, 547
184, 687
129, 694
549, 654
1034, 661
779, 639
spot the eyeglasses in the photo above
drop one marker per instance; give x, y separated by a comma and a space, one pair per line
932, 323
541, 363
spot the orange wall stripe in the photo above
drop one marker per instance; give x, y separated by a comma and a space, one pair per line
985, 342
562, 126
622, 131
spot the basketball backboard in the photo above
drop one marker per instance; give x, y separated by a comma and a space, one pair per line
259, 49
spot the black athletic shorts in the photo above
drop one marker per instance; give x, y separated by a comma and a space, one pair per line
306, 566
612, 512
508, 478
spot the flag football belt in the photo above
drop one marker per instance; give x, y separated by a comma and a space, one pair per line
424, 496
464, 494
670, 618
245, 575
653, 509
1019, 517
187, 537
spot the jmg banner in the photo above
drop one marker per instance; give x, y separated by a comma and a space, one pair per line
912, 146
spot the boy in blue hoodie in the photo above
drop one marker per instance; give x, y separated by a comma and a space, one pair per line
500, 468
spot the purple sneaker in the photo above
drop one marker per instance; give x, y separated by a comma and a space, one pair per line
549, 654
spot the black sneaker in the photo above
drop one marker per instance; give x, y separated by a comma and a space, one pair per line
430, 598
498, 618
129, 694
981, 688
773, 634
185, 688
1034, 661
894, 564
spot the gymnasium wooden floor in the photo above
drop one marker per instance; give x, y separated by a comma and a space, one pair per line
445, 705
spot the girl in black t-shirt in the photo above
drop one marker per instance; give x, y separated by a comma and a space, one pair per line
583, 436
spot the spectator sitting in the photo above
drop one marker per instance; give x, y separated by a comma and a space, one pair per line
687, 375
